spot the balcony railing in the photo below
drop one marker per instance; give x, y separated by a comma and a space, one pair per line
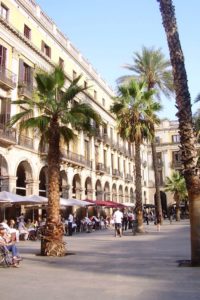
176, 164
7, 135
75, 158
7, 79
129, 178
116, 173
26, 141
25, 89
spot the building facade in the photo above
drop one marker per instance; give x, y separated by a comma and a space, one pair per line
92, 168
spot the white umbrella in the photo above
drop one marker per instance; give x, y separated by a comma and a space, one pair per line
73, 202
37, 199
7, 197
128, 204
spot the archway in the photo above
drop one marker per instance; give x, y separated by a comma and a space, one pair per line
107, 191
126, 194
76, 186
24, 179
132, 198
64, 186
3, 174
88, 188
120, 194
43, 184
98, 189
114, 192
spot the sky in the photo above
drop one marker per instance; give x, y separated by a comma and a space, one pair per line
108, 32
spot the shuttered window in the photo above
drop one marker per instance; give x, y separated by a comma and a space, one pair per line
3, 52
25, 74
46, 49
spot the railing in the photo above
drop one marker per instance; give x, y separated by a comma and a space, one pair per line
74, 157
176, 164
7, 133
128, 177
117, 173
101, 167
25, 141
7, 78
25, 89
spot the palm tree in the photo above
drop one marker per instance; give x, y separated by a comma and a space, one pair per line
152, 67
134, 111
58, 116
176, 185
187, 134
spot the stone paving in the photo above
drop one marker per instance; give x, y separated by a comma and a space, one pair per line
100, 266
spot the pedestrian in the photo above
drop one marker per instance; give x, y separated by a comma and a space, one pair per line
70, 223
118, 217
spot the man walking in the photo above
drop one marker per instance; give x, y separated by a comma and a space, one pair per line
118, 217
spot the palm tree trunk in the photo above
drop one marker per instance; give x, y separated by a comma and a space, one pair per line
156, 176
52, 243
138, 189
187, 136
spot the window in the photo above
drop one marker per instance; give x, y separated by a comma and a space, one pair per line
61, 62
3, 52
27, 32
4, 12
176, 138
157, 140
159, 158
46, 49
103, 101
105, 157
176, 156
25, 74
5, 108
87, 150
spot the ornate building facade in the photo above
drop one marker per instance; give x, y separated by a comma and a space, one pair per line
92, 168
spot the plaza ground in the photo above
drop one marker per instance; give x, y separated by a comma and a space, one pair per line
100, 266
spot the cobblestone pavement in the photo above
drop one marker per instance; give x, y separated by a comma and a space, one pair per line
100, 267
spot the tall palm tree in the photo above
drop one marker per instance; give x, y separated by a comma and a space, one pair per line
58, 116
187, 134
176, 185
134, 111
151, 66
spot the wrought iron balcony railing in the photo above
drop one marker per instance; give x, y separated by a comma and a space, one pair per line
7, 79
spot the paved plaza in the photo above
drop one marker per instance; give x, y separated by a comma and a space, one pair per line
100, 266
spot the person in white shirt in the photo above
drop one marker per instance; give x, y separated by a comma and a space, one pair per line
118, 216
70, 222
12, 231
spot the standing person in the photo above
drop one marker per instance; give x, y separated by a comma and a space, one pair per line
118, 217
70, 222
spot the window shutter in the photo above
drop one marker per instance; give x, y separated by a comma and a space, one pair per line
31, 78
21, 71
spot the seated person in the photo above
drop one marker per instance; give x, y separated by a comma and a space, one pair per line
23, 230
11, 230
5, 241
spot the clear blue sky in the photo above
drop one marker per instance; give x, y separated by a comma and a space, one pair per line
108, 32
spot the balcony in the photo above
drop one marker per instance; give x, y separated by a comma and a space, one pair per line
128, 178
100, 168
117, 174
7, 79
25, 90
75, 159
7, 135
26, 142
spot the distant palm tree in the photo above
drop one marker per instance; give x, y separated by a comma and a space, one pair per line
187, 134
151, 66
58, 116
135, 112
177, 186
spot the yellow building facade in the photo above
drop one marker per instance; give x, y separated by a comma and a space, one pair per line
92, 168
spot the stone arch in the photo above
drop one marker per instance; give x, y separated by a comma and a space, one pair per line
43, 182
126, 194
3, 173
88, 188
64, 186
24, 176
114, 192
98, 189
120, 193
76, 186
106, 191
